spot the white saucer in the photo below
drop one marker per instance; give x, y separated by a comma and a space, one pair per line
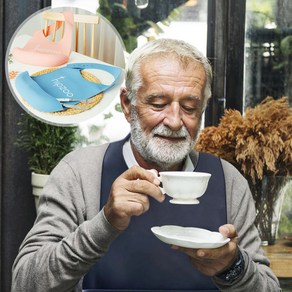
190, 237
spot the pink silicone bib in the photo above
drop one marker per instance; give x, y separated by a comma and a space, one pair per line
41, 51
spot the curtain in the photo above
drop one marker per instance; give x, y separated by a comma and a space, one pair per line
17, 206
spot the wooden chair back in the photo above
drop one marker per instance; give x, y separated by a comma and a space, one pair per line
84, 30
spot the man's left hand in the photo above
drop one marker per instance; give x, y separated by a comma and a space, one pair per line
212, 262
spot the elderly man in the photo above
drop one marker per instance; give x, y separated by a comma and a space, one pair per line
94, 220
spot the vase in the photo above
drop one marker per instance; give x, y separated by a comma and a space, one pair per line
269, 206
38, 182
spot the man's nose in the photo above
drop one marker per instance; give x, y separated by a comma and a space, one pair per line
173, 117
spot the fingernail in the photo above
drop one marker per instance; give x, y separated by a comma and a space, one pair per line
201, 253
225, 230
156, 181
162, 198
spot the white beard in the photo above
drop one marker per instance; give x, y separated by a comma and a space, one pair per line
154, 149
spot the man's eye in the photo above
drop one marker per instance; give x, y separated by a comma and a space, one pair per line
158, 105
189, 109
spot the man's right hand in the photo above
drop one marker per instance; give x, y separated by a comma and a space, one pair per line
129, 196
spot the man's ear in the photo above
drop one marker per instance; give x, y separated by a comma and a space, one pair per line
125, 104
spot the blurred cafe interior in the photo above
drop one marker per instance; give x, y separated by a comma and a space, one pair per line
249, 44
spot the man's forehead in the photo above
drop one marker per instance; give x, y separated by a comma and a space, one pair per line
183, 61
165, 72
189, 73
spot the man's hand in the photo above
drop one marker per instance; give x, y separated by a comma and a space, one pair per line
212, 262
129, 196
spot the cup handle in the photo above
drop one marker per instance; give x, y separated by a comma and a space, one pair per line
161, 186
157, 175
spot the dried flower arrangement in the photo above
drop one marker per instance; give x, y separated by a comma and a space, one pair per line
259, 145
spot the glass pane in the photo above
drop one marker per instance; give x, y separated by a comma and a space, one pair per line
178, 19
137, 23
268, 60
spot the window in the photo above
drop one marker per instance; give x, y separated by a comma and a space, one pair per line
268, 50
178, 19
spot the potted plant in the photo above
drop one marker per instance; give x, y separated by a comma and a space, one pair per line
46, 145
259, 145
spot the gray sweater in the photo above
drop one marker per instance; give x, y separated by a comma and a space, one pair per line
71, 233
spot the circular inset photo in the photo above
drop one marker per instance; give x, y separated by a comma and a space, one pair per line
65, 65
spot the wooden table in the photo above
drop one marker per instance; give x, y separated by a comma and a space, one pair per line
280, 256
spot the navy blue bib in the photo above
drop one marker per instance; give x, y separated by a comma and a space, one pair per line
137, 260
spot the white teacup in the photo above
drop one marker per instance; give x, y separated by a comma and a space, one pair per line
184, 186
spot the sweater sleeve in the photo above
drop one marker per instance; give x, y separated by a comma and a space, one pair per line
63, 243
257, 275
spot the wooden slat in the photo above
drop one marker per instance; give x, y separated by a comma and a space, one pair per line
77, 17
91, 20
92, 40
84, 38
54, 33
76, 36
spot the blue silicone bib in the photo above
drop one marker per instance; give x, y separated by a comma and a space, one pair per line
53, 91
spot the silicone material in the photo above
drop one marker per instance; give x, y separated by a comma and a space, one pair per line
42, 92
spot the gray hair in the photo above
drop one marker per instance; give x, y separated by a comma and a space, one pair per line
182, 51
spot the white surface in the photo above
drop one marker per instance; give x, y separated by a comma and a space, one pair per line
184, 187
108, 96
90, 5
189, 237
182, 30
